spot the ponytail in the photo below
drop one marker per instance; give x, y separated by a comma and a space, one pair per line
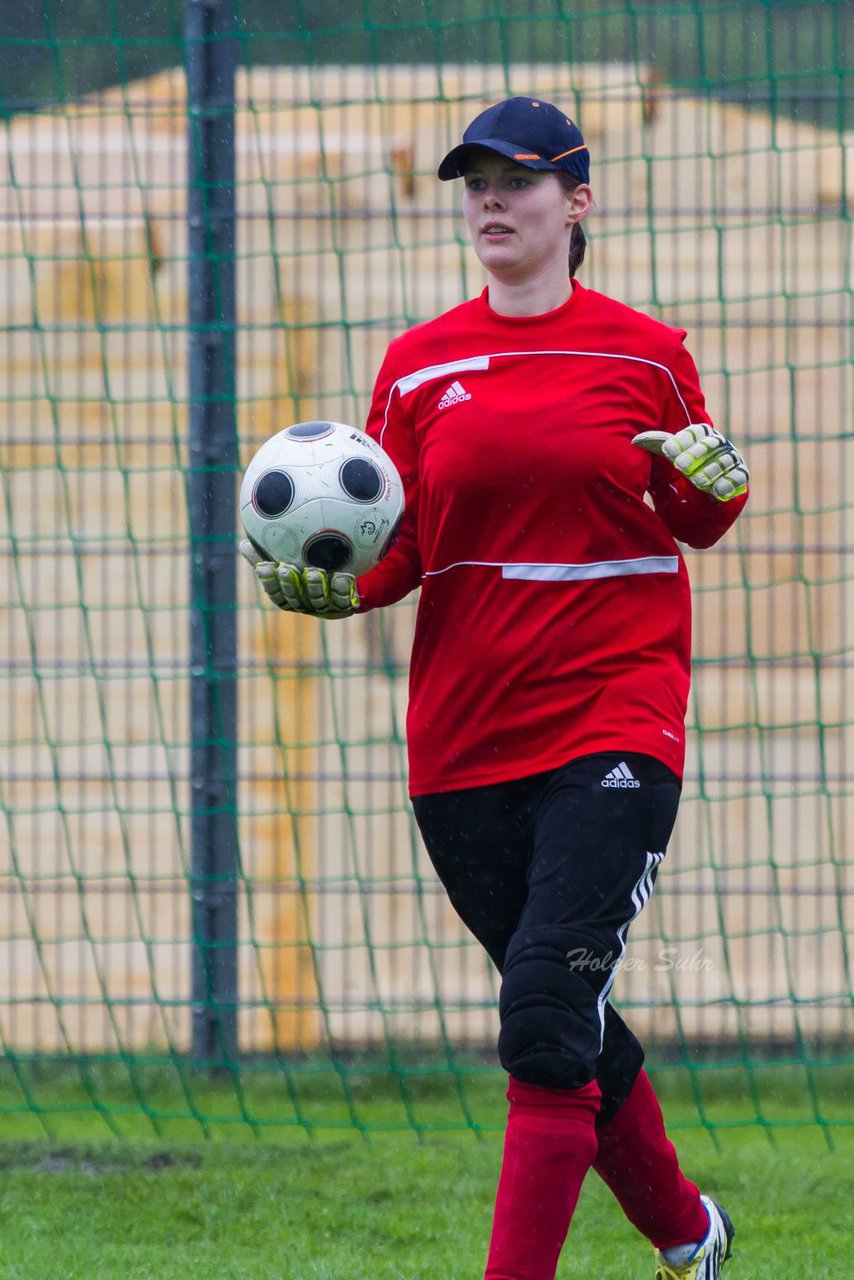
578, 240
577, 245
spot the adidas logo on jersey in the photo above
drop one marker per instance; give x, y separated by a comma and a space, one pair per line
455, 394
621, 777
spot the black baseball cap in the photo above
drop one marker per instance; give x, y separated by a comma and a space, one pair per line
530, 131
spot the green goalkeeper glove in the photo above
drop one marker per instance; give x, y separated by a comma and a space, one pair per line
703, 455
312, 591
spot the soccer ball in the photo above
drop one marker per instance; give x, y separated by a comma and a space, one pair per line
322, 495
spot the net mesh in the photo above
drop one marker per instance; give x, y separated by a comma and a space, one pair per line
722, 158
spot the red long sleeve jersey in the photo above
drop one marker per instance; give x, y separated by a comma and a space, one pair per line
554, 617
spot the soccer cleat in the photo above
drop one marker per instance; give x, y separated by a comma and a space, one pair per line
707, 1263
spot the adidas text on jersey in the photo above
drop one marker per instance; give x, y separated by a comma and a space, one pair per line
455, 394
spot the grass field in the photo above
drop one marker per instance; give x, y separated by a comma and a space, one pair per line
274, 1201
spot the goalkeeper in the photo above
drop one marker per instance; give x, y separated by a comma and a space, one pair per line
550, 665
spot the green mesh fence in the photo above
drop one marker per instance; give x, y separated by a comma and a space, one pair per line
723, 174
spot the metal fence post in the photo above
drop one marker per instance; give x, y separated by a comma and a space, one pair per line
210, 27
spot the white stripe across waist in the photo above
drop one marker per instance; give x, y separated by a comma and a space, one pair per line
572, 572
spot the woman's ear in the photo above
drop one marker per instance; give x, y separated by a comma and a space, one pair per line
579, 202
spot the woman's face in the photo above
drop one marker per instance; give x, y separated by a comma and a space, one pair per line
519, 219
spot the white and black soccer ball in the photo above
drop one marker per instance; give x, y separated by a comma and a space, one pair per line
322, 495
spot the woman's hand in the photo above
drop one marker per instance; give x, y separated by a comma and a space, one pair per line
310, 591
704, 456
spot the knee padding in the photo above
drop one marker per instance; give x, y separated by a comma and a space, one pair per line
550, 1019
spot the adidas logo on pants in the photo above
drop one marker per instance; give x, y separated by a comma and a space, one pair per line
621, 777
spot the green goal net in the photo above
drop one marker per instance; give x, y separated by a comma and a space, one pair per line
723, 171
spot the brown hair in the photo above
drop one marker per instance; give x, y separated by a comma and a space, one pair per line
577, 240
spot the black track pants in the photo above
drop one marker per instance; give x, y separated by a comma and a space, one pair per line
548, 873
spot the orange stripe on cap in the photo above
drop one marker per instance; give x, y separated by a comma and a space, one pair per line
563, 154
524, 155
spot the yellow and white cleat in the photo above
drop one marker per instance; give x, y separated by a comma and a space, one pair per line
706, 1263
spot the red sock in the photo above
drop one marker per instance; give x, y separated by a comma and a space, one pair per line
639, 1163
549, 1145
